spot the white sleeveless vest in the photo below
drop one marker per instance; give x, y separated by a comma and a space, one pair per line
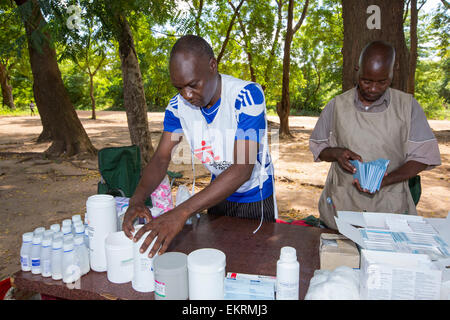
213, 143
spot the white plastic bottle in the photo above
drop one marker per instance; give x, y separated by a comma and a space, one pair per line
70, 269
86, 232
38, 231
46, 251
79, 229
66, 229
47, 234
25, 251
56, 258
36, 254
288, 273
55, 227
82, 254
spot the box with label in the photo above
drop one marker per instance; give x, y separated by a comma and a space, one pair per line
398, 276
337, 250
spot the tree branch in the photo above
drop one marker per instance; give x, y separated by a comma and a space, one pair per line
300, 21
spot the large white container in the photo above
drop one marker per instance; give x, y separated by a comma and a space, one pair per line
206, 270
143, 276
119, 257
171, 276
102, 220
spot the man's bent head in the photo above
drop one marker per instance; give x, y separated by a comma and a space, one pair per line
375, 70
193, 71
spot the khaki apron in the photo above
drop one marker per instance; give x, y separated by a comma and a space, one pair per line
372, 135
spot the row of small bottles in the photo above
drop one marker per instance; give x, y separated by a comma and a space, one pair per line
61, 252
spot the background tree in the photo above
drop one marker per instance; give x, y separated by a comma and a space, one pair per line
57, 112
284, 108
357, 35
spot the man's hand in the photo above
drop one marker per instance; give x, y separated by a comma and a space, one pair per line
358, 186
134, 211
342, 156
165, 227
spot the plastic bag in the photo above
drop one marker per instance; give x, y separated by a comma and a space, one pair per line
182, 195
162, 196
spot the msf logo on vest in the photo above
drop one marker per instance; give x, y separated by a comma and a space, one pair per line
205, 154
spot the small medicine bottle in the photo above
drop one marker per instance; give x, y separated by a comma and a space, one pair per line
288, 274
25, 251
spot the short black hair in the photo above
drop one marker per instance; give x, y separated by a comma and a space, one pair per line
192, 44
381, 49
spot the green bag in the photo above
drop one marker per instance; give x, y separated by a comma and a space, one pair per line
120, 170
415, 188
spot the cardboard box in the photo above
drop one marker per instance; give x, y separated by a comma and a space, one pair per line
390, 232
398, 276
337, 250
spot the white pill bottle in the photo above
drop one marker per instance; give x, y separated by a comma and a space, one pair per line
288, 275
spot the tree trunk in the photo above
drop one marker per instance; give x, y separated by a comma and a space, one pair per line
230, 27
284, 109
269, 65
91, 94
133, 92
412, 48
357, 35
52, 100
7, 95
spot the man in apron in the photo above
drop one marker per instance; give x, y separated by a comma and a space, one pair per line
224, 121
365, 123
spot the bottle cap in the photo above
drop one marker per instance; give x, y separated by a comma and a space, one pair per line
58, 235
46, 242
79, 228
39, 230
67, 222
55, 227
76, 218
37, 239
48, 234
288, 254
78, 240
66, 229
27, 236
57, 243
68, 245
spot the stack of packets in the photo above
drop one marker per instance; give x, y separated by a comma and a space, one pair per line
370, 174
241, 286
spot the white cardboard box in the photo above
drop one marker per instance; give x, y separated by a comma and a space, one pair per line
398, 276
391, 232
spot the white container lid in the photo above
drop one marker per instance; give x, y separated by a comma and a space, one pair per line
206, 260
118, 240
100, 200
57, 243
55, 227
37, 239
288, 254
170, 263
46, 242
27, 236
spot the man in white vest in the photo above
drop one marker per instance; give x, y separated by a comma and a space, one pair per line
224, 121
365, 123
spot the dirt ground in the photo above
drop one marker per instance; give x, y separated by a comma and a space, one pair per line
35, 191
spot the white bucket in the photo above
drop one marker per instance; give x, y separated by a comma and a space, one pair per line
119, 257
102, 220
206, 270
143, 276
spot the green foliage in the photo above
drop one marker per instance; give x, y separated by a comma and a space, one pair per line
316, 58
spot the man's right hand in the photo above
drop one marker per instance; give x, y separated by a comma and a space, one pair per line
134, 211
342, 156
